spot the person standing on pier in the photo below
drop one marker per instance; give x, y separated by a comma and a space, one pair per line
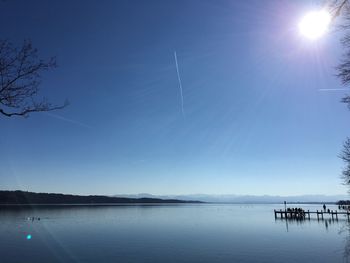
324, 207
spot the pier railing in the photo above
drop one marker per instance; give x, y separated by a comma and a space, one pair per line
295, 214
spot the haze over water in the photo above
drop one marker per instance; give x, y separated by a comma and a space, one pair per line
168, 233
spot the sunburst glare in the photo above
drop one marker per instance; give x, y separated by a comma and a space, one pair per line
315, 24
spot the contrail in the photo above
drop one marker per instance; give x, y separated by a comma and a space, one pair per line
333, 89
180, 85
67, 120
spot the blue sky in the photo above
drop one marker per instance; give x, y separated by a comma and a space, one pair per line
255, 119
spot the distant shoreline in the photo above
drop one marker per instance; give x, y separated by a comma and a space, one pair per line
22, 198
99, 204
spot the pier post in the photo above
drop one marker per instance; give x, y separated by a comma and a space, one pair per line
289, 214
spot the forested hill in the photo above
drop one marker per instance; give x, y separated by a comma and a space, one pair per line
22, 197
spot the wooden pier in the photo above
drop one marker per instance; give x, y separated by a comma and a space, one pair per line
289, 214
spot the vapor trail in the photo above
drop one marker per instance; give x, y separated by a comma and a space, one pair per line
333, 89
180, 85
67, 120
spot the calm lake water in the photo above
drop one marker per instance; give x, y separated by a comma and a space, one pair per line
168, 233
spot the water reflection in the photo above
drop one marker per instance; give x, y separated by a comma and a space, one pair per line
169, 233
341, 225
344, 231
321, 221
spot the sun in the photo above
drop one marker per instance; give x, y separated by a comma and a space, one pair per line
314, 24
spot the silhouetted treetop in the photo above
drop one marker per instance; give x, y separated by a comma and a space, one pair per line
20, 74
345, 156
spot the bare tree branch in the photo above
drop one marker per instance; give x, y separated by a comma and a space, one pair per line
20, 75
345, 156
343, 73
